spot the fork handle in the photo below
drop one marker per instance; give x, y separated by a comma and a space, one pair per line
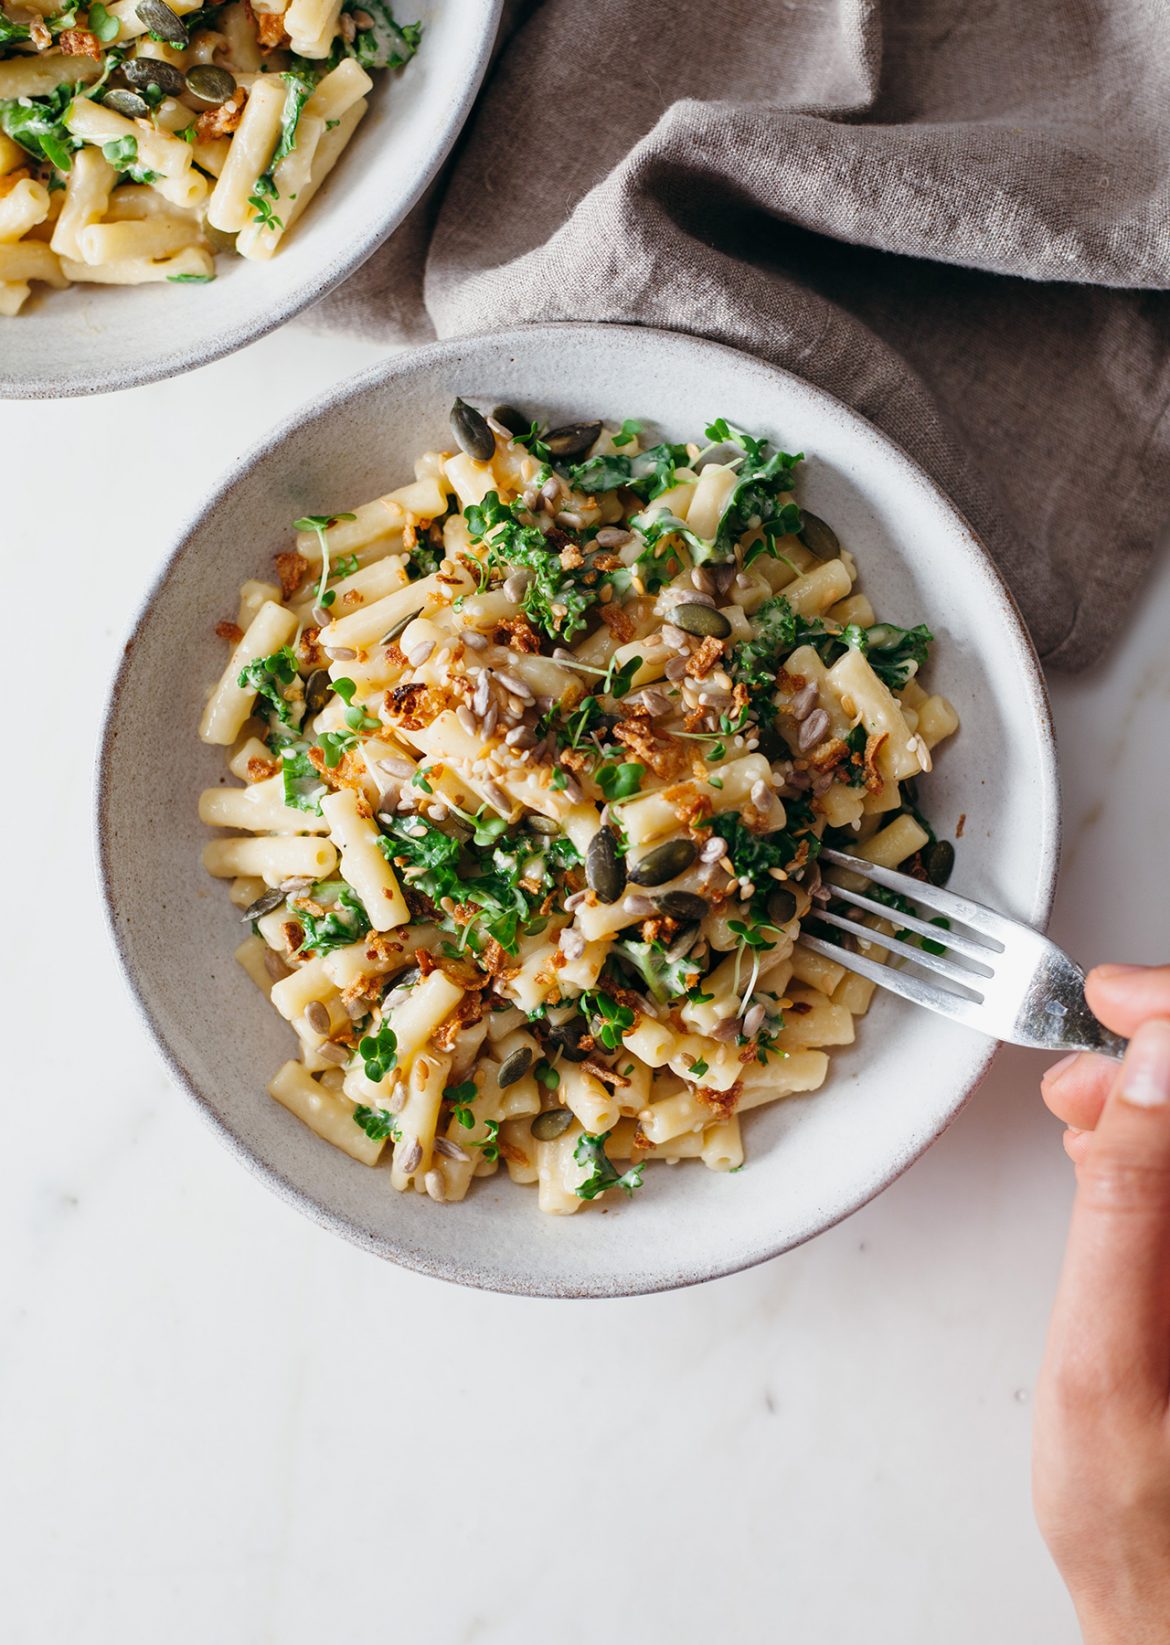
1102, 1043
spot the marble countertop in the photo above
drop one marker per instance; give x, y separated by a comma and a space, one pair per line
219, 1422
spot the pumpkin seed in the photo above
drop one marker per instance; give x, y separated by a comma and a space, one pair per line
515, 1067
782, 905
141, 72
162, 22
939, 860
665, 862
511, 419
553, 1123
566, 1038
536, 824
605, 871
264, 904
472, 432
317, 689
127, 103
210, 85
819, 538
683, 905
573, 439
700, 620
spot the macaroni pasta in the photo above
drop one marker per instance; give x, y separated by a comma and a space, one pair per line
536, 755
139, 139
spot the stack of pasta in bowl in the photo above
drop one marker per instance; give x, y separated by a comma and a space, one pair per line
537, 753
138, 140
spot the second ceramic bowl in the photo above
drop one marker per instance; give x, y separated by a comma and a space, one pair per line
90, 339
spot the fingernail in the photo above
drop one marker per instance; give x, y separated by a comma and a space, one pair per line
1115, 973
1059, 1069
1145, 1074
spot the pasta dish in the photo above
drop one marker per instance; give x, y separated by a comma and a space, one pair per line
535, 757
138, 139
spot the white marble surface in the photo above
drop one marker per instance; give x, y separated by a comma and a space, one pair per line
219, 1423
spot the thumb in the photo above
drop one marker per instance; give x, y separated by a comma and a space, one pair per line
1112, 1317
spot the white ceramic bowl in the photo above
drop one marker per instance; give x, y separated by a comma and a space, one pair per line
810, 1161
91, 339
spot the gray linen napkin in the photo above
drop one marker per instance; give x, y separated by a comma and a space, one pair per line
954, 214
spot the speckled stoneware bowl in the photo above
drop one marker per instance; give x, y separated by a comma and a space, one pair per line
810, 1161
91, 339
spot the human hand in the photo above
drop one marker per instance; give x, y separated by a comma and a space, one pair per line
1101, 1466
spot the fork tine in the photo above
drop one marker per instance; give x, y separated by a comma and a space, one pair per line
976, 951
916, 989
929, 962
974, 914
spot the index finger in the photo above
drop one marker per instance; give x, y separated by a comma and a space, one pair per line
1125, 996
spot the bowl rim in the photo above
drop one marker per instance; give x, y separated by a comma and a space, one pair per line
349, 257
419, 1260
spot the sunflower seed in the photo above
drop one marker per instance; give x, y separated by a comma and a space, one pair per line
411, 1156
435, 1187
515, 686
516, 586
568, 521
481, 696
753, 1020
264, 904
418, 654
331, 1052
675, 638
275, 966
472, 638
521, 736
812, 730
392, 634
713, 849
317, 1017
467, 719
637, 906
489, 720
339, 653
450, 1149
613, 536
676, 668
498, 798
396, 768
803, 703
572, 944
725, 1031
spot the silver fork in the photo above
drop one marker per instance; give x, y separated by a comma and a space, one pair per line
996, 975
